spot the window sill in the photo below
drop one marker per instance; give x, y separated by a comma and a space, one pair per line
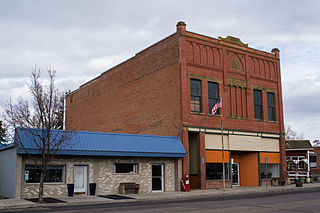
215, 115
238, 118
197, 113
258, 120
57, 183
125, 173
273, 122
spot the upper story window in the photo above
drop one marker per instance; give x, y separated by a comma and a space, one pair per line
271, 107
258, 110
213, 95
196, 96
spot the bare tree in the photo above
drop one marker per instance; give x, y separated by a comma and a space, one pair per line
2, 133
38, 119
316, 143
291, 134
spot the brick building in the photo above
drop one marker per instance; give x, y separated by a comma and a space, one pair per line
301, 158
169, 89
108, 160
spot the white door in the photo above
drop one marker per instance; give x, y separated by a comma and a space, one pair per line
235, 174
157, 178
80, 179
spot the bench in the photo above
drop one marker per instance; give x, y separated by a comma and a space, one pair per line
129, 188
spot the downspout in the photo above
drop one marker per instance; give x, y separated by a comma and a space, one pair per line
308, 174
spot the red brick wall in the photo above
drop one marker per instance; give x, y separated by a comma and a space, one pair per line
317, 151
215, 184
204, 59
150, 93
141, 95
238, 70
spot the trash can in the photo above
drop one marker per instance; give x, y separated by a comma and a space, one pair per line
70, 189
92, 187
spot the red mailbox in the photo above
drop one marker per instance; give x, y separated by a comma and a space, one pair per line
185, 184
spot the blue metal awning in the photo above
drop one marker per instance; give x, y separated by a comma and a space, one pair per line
103, 144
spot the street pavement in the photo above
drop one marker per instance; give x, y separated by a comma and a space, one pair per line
87, 200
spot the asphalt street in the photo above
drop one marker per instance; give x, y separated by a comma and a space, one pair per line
277, 202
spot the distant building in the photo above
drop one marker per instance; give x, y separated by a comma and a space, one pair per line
315, 163
170, 88
300, 158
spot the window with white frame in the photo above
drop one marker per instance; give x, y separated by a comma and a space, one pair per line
126, 168
296, 163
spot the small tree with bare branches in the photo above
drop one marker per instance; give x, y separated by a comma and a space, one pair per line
2, 133
39, 118
291, 134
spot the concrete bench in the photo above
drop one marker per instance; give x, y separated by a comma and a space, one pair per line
129, 188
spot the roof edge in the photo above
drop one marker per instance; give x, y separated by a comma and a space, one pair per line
106, 153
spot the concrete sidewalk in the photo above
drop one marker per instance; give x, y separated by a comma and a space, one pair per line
87, 200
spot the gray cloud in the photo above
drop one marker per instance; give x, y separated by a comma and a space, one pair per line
81, 39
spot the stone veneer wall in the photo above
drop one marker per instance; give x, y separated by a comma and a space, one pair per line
101, 172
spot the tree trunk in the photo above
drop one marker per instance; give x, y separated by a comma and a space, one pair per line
43, 169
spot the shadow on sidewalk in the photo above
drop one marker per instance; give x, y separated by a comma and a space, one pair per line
46, 200
116, 197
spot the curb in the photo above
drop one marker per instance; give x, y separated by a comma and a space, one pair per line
180, 196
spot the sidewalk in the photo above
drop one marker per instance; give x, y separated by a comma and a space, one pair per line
87, 200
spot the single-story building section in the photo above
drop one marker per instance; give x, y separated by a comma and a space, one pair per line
106, 159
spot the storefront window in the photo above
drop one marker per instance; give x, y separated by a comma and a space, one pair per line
214, 171
53, 174
269, 170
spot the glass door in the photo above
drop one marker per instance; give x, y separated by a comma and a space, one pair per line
235, 174
157, 178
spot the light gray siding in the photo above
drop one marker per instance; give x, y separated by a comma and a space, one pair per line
8, 162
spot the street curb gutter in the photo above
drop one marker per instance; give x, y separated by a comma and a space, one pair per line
180, 196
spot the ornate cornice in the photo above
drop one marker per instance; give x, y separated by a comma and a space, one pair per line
210, 40
237, 82
233, 40
204, 78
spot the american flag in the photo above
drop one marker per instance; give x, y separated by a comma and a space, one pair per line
216, 107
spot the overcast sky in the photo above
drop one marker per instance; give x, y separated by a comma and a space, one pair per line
81, 39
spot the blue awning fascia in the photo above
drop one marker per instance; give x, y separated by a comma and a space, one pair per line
7, 146
105, 153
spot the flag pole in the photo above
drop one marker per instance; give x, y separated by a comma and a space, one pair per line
223, 169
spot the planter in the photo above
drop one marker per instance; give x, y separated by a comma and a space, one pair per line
70, 189
299, 183
92, 187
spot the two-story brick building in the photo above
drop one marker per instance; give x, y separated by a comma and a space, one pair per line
169, 89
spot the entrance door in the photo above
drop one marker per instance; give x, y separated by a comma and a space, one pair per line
80, 179
235, 174
157, 178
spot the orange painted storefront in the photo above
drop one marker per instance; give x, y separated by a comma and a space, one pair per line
272, 157
249, 167
213, 156
248, 163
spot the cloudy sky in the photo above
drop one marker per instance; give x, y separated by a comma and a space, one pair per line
81, 39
